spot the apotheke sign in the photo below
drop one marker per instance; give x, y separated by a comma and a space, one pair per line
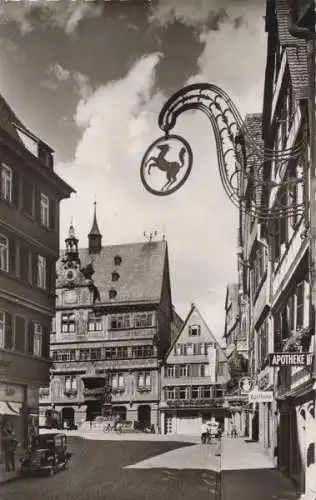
290, 359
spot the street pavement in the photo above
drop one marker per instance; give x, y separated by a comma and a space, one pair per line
247, 473
126, 470
152, 467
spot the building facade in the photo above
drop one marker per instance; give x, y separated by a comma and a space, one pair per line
235, 336
30, 194
193, 377
112, 329
275, 253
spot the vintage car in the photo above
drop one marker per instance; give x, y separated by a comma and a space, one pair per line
47, 453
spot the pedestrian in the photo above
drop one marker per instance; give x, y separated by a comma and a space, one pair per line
213, 427
204, 432
9, 445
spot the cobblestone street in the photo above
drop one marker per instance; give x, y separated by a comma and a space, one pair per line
125, 470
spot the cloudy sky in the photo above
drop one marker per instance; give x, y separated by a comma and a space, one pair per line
90, 78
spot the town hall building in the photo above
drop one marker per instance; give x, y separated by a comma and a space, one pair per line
111, 331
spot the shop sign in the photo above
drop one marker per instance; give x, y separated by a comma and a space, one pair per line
260, 397
11, 392
245, 385
290, 359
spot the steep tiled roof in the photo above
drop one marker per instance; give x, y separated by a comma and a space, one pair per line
194, 309
231, 293
253, 123
140, 272
296, 50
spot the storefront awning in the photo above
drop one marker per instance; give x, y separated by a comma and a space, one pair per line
10, 408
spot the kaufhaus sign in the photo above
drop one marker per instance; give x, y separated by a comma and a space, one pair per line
290, 359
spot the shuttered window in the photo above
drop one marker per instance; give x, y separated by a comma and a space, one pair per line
27, 197
20, 326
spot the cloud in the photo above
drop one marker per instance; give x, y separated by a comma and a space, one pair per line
62, 74
59, 74
203, 13
119, 120
64, 15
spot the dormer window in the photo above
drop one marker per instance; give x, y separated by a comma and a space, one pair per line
112, 293
28, 140
117, 260
115, 276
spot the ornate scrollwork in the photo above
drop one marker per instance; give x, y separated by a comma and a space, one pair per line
242, 159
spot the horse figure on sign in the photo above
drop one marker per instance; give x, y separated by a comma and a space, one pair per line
170, 167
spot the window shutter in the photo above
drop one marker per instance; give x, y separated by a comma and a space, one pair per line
49, 277
12, 255
30, 338
15, 187
277, 334
45, 342
8, 337
38, 206
34, 268
52, 213
20, 333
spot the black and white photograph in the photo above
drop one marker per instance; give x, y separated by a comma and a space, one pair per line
157, 249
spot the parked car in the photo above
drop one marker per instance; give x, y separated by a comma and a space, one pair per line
47, 453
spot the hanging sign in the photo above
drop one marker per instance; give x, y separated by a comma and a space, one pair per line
290, 359
260, 397
245, 385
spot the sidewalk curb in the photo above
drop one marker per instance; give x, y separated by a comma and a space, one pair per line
10, 479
